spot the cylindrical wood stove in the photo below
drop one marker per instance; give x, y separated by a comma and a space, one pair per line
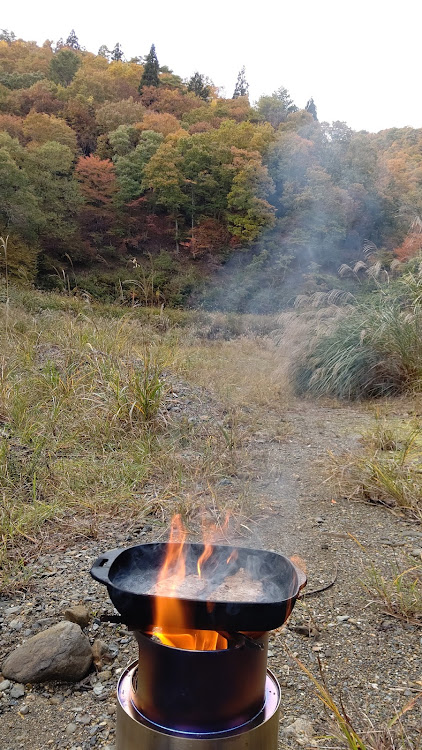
176, 698
134, 732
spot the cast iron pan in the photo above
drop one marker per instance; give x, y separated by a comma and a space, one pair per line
130, 573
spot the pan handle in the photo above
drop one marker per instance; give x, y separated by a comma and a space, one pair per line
102, 565
301, 575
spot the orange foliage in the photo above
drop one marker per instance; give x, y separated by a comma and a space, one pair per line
171, 101
410, 247
12, 125
159, 122
210, 236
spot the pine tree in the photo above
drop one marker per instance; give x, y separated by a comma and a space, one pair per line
104, 52
200, 86
311, 108
151, 70
72, 40
117, 53
7, 36
242, 86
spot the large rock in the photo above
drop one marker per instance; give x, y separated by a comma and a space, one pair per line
61, 652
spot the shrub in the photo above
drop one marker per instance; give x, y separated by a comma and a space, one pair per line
375, 350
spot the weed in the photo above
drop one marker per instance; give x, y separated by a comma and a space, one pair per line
374, 350
400, 593
388, 468
389, 737
87, 428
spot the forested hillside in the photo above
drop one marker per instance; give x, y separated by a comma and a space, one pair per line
122, 180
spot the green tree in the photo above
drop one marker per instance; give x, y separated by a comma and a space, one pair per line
123, 140
72, 40
116, 53
242, 86
7, 36
150, 76
275, 108
130, 169
18, 204
311, 108
63, 66
163, 176
199, 85
104, 52
50, 170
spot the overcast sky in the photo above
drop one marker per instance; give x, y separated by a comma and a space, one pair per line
360, 61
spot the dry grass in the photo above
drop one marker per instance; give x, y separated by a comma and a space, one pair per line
392, 736
388, 467
92, 426
399, 593
245, 372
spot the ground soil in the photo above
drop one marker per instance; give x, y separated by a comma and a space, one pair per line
370, 660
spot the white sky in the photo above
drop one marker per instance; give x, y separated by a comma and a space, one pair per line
361, 60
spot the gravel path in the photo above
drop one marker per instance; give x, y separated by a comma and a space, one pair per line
374, 660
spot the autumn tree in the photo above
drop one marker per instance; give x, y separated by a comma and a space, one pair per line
40, 97
125, 112
81, 118
40, 128
249, 211
163, 176
98, 186
242, 86
150, 76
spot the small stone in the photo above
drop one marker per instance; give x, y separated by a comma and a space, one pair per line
12, 610
4, 685
319, 519
78, 614
16, 624
17, 691
105, 675
103, 653
98, 689
24, 709
417, 552
56, 700
303, 732
84, 719
71, 728
343, 618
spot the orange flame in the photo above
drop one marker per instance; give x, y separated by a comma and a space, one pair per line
171, 626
